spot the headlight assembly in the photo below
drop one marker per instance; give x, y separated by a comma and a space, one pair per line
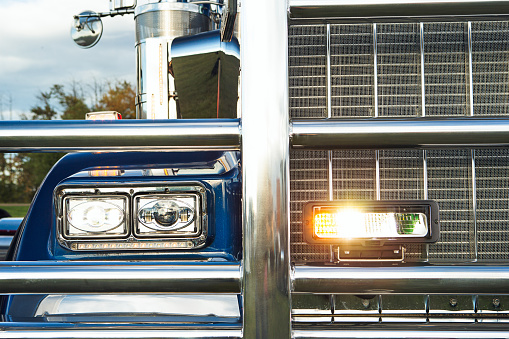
167, 215
132, 218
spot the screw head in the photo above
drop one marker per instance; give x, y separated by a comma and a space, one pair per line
453, 302
496, 302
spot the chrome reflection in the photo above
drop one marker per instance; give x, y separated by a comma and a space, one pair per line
206, 72
145, 308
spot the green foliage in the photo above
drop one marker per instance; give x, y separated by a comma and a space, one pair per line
22, 174
121, 98
16, 210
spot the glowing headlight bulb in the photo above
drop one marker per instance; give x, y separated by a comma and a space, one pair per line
95, 215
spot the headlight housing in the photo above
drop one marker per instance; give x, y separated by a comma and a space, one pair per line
173, 214
360, 222
88, 217
133, 218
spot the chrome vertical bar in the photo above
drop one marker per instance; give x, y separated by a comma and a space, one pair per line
470, 72
423, 82
471, 113
329, 115
377, 174
425, 186
265, 157
329, 75
375, 73
423, 114
329, 108
375, 102
474, 205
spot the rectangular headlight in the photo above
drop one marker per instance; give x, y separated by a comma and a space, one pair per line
361, 221
115, 218
168, 215
95, 217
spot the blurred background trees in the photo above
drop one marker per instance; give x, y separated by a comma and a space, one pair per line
21, 174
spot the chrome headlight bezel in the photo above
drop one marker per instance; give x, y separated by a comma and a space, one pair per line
132, 239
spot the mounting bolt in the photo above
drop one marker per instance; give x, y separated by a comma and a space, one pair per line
453, 302
365, 303
496, 302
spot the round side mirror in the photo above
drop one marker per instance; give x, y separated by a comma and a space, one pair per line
87, 29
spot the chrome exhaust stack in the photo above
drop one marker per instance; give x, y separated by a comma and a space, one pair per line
179, 75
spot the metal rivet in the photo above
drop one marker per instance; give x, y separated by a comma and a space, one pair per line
496, 302
453, 302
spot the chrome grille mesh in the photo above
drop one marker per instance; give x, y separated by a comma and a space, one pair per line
399, 70
436, 69
351, 70
490, 63
308, 60
446, 69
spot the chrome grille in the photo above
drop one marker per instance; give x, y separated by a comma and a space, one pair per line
436, 69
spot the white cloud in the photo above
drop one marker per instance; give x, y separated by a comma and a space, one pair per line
37, 50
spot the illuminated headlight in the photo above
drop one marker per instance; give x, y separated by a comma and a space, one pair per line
388, 221
172, 214
92, 216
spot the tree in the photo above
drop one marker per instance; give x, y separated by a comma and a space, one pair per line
121, 98
21, 175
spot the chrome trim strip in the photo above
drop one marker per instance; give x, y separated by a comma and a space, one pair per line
167, 6
359, 333
265, 160
402, 280
7, 331
124, 135
300, 9
375, 73
377, 174
470, 70
117, 277
329, 75
417, 133
474, 205
331, 177
425, 187
423, 80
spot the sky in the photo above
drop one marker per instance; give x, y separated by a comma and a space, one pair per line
36, 50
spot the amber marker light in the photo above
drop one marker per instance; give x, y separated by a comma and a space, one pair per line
360, 221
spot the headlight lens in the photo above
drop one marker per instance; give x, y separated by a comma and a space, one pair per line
168, 214
334, 222
95, 216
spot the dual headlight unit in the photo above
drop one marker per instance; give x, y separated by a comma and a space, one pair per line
134, 218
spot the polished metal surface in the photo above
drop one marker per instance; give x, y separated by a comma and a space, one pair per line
402, 133
402, 280
105, 307
206, 72
157, 24
63, 331
300, 9
36, 136
470, 70
399, 334
265, 153
375, 72
87, 29
117, 277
